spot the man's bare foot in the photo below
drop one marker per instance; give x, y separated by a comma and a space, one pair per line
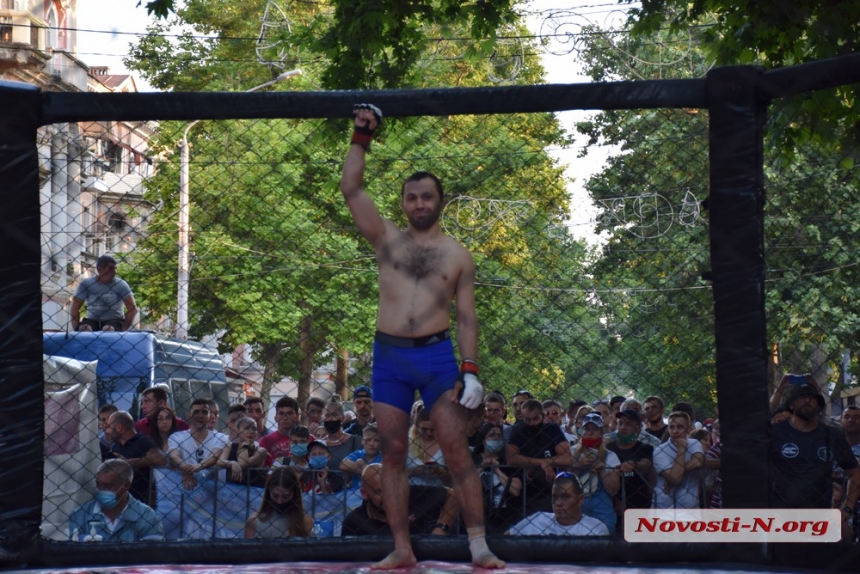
488, 560
396, 559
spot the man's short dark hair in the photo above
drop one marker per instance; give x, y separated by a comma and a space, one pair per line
575, 404
253, 400
285, 402
300, 432
532, 405
104, 261
158, 393
655, 399
113, 408
316, 401
237, 408
494, 397
418, 176
685, 408
617, 399
201, 401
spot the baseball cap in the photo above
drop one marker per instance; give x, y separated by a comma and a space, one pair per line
593, 418
362, 392
630, 414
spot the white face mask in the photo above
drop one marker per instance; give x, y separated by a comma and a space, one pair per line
494, 445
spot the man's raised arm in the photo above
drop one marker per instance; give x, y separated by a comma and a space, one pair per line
364, 212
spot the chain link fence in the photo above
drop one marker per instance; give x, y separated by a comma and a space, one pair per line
279, 283
249, 279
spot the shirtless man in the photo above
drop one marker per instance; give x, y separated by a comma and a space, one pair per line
421, 271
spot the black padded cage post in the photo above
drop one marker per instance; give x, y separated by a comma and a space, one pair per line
736, 216
22, 411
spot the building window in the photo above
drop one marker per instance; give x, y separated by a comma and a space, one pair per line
117, 223
113, 156
5, 28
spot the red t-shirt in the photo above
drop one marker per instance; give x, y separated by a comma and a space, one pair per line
142, 426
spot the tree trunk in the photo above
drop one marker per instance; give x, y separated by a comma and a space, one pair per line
341, 376
306, 363
271, 358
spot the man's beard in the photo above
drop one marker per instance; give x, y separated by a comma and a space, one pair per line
806, 413
425, 222
377, 509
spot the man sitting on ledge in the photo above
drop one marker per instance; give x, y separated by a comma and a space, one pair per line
432, 509
566, 518
114, 515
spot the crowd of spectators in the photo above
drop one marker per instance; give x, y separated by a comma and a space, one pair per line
545, 469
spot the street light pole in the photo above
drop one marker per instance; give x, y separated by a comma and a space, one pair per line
184, 271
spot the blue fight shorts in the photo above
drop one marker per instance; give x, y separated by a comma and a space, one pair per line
403, 365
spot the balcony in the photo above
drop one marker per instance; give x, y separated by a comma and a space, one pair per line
22, 38
66, 68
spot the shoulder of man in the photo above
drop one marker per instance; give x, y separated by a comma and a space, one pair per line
143, 440
593, 526
142, 426
179, 436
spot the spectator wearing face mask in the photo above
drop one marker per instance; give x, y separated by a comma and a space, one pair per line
502, 485
299, 440
282, 512
114, 515
339, 443
318, 478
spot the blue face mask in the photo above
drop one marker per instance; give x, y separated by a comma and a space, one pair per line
299, 449
494, 445
318, 462
107, 498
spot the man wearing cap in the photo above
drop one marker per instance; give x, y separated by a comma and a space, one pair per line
637, 460
423, 274
803, 450
362, 405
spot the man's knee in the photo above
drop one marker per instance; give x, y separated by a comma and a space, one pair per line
394, 450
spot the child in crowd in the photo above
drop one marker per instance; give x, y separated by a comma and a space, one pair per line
317, 477
355, 462
244, 455
298, 459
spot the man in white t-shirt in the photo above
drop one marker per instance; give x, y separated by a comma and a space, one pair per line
198, 448
566, 518
676, 463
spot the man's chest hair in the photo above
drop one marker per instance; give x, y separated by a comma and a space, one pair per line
420, 261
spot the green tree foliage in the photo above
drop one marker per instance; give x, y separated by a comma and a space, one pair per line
277, 262
655, 304
775, 33
656, 309
372, 43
